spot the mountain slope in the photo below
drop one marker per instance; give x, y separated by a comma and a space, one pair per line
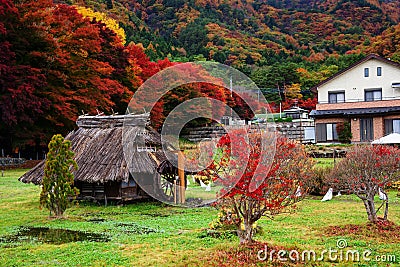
250, 32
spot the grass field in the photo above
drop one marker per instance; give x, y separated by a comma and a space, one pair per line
153, 234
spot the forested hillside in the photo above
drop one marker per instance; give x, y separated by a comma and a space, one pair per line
313, 38
250, 32
61, 58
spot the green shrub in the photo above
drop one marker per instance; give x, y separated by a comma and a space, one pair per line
320, 175
344, 132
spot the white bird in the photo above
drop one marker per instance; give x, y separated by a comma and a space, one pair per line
208, 187
202, 184
99, 113
114, 113
328, 195
298, 192
339, 194
382, 196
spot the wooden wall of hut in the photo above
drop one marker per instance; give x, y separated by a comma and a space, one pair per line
110, 191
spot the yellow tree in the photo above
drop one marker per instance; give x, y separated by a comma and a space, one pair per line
293, 91
112, 24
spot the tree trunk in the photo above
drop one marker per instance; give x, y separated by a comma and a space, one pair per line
246, 235
370, 208
386, 208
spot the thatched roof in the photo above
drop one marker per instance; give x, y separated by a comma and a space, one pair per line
99, 152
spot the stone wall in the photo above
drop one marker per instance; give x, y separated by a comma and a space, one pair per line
6, 162
291, 130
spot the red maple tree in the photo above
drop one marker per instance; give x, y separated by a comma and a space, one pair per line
365, 171
281, 181
54, 64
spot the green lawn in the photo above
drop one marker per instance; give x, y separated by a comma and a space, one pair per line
153, 234
326, 162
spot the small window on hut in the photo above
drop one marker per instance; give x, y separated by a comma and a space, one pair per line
130, 183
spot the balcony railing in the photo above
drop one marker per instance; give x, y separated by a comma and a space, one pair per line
360, 100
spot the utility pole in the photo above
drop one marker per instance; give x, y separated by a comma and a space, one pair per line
230, 87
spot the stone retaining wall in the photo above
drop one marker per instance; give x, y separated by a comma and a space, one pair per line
6, 162
291, 130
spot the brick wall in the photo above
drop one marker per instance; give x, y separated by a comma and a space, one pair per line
330, 120
378, 121
355, 130
392, 117
379, 127
351, 105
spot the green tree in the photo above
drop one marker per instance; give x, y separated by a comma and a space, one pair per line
58, 181
194, 38
277, 75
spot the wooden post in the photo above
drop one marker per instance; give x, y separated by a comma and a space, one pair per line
174, 191
181, 174
334, 157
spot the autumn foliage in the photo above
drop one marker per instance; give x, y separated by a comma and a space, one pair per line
57, 62
281, 182
365, 171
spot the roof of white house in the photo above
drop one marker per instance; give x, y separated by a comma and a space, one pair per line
369, 57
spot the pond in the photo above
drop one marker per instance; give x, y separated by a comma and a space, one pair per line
52, 236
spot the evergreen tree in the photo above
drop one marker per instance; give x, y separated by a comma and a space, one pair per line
344, 132
58, 181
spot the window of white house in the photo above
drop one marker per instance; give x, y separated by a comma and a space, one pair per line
392, 126
336, 97
396, 126
366, 72
326, 132
373, 94
329, 131
379, 71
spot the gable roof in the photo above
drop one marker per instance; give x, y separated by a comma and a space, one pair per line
370, 56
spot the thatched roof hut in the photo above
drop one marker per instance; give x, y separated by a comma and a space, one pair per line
99, 152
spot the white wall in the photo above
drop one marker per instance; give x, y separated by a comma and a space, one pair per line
354, 83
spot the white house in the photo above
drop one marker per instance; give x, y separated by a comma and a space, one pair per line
366, 94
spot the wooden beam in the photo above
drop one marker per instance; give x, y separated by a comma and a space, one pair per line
181, 174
